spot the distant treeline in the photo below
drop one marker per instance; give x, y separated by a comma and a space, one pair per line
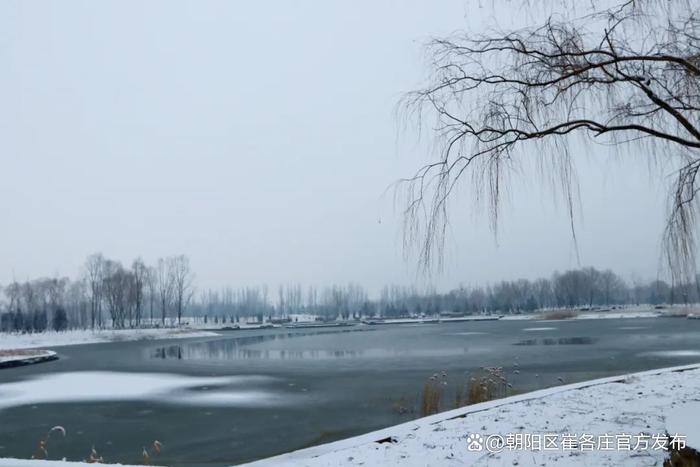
586, 287
109, 294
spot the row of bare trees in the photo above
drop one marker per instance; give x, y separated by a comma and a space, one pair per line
130, 296
107, 294
329, 302
112, 295
577, 288
37, 305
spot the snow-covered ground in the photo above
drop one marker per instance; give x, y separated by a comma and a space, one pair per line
612, 314
612, 410
537, 316
55, 339
618, 314
25, 357
684, 419
43, 463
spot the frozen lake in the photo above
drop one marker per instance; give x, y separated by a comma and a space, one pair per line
251, 394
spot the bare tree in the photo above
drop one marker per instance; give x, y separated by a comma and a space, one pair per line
55, 290
182, 279
152, 286
94, 271
13, 292
140, 272
78, 304
627, 75
164, 286
118, 289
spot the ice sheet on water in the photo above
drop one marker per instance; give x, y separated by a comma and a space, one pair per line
672, 353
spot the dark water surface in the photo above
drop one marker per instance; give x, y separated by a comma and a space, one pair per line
301, 387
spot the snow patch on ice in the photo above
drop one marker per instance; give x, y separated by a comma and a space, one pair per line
467, 333
672, 353
116, 386
55, 339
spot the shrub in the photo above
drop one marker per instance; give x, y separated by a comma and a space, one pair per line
560, 314
485, 385
432, 394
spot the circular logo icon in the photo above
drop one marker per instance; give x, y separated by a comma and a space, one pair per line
475, 442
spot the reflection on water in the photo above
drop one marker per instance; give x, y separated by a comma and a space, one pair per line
231, 351
559, 341
264, 347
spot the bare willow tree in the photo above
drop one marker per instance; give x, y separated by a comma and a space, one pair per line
626, 74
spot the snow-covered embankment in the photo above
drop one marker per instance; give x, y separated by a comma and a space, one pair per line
74, 337
631, 407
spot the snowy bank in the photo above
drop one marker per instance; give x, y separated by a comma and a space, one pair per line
625, 407
618, 314
14, 358
43, 463
577, 315
55, 339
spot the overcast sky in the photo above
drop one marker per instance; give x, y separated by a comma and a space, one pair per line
258, 138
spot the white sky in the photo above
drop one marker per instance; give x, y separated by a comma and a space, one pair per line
258, 138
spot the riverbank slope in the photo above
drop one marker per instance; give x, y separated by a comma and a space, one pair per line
634, 406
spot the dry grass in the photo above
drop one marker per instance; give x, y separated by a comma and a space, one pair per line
432, 394
484, 385
462, 395
42, 452
154, 451
42, 449
487, 384
94, 458
559, 314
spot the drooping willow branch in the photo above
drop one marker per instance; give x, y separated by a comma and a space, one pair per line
627, 76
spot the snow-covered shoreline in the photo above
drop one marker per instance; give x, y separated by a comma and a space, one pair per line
633, 404
630, 404
12, 359
11, 462
584, 315
75, 337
